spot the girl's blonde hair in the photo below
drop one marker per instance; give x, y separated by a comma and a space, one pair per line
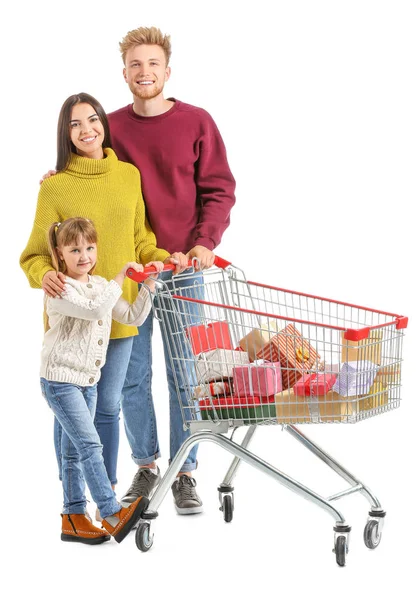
68, 233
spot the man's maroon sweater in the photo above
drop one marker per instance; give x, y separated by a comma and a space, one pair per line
186, 181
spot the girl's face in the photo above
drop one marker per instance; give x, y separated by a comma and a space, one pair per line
80, 258
86, 131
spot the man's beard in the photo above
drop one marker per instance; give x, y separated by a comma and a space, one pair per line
145, 92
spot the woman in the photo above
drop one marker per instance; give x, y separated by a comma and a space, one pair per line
91, 182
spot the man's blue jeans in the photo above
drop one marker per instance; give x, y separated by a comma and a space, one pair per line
107, 415
137, 401
81, 450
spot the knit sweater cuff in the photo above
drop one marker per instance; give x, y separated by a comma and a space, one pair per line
206, 242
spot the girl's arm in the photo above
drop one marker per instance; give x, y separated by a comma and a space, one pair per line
73, 304
133, 314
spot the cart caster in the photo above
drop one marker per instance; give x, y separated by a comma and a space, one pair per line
372, 533
144, 541
226, 501
341, 550
341, 544
227, 507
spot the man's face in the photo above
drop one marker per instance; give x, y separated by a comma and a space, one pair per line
145, 71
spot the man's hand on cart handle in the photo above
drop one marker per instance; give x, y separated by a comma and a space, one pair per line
178, 259
202, 254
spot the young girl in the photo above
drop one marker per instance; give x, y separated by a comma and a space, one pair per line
73, 353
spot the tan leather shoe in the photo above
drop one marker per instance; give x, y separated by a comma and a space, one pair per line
78, 528
120, 524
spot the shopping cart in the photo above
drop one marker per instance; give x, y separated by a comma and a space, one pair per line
247, 354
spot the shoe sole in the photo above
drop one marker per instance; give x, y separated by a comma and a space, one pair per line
133, 520
189, 511
89, 541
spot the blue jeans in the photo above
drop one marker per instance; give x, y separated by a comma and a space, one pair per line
108, 406
137, 402
81, 449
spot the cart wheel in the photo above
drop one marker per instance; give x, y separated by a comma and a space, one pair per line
144, 540
341, 550
371, 535
227, 508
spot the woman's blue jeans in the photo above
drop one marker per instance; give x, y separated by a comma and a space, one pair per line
81, 450
107, 415
137, 402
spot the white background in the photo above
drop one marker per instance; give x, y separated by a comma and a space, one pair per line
318, 104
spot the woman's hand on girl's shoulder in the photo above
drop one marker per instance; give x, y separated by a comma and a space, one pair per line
47, 175
53, 284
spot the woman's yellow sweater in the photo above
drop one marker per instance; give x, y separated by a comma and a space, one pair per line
108, 192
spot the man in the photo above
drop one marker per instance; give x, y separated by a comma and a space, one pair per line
188, 189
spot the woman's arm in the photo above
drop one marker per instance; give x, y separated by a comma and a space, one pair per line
35, 260
144, 238
73, 304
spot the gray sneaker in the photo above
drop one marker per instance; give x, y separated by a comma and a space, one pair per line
143, 484
187, 501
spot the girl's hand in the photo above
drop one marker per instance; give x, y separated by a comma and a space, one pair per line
180, 260
123, 273
53, 283
158, 265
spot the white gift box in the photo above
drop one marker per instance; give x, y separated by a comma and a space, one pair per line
355, 378
218, 364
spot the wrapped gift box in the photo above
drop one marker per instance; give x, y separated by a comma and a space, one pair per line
248, 414
368, 349
215, 388
389, 375
257, 379
218, 364
257, 339
294, 353
377, 396
331, 407
209, 337
314, 384
355, 378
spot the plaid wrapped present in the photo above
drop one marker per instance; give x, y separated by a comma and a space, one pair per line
294, 353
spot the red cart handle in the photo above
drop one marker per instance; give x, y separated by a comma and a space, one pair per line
221, 263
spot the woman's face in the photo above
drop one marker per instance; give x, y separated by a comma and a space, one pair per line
86, 131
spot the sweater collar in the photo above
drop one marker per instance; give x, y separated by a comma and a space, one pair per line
79, 165
157, 118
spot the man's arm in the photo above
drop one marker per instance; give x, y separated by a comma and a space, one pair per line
215, 187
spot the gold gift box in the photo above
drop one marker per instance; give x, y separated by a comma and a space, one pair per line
368, 349
257, 339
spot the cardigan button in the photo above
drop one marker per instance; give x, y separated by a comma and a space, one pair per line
89, 285
97, 363
100, 322
91, 380
100, 342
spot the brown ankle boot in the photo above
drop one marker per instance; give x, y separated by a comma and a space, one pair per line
120, 524
78, 528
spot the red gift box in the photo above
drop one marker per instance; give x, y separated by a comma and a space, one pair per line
314, 384
233, 401
209, 337
263, 380
294, 353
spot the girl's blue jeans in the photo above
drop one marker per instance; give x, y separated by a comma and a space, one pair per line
81, 449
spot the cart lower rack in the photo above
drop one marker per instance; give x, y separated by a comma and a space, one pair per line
247, 354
